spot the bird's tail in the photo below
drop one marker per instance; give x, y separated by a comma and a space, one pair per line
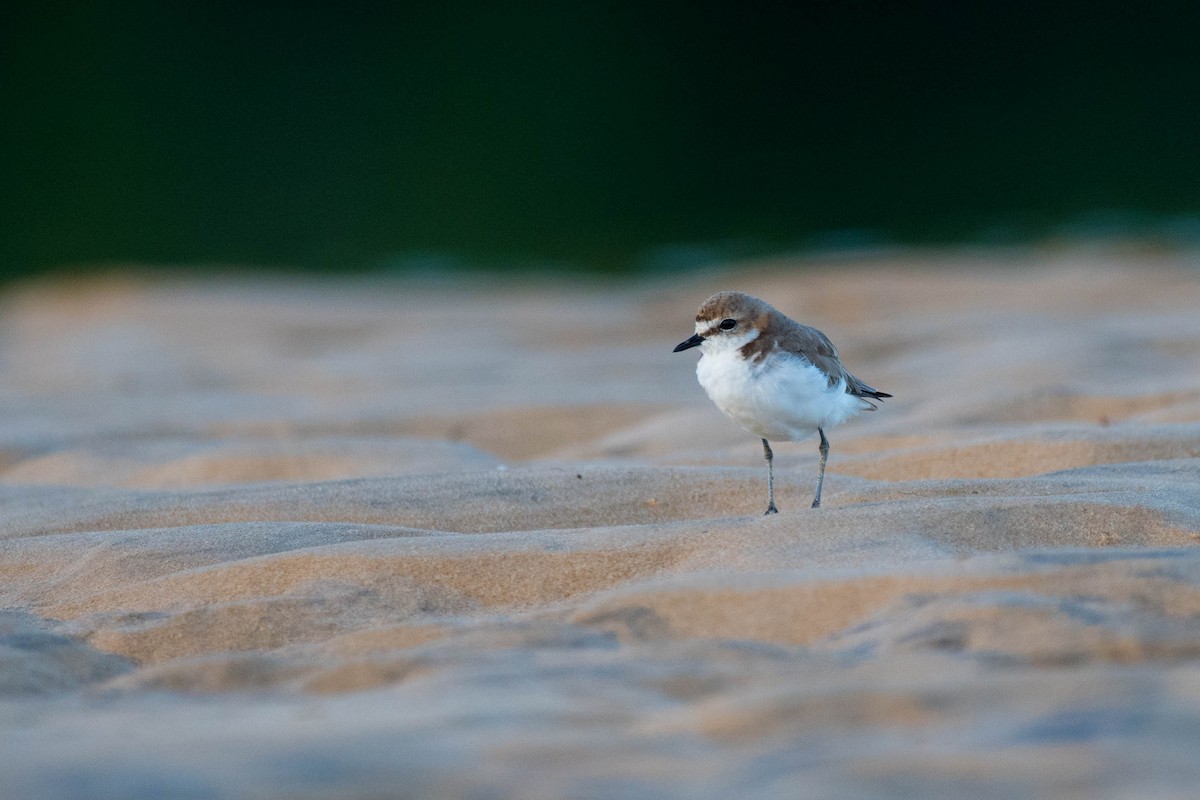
865, 393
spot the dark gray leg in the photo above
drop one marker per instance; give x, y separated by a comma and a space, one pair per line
771, 509
821, 475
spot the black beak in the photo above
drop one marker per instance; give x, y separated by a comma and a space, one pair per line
689, 344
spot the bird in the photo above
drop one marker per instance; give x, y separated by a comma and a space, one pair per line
776, 378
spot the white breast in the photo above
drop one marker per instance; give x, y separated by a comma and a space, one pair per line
784, 398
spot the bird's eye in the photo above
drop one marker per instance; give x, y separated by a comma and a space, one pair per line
728, 324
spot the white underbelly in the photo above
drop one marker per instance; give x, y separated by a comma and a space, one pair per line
783, 399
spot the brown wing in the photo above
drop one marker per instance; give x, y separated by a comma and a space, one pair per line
815, 347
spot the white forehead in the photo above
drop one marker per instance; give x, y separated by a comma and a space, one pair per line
709, 326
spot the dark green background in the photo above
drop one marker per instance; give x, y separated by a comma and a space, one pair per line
359, 135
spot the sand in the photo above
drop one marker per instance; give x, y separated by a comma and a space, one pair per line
416, 538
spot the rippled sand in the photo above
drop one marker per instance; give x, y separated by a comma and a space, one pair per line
404, 539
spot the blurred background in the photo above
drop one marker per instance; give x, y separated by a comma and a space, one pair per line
585, 136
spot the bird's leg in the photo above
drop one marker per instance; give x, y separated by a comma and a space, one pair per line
771, 509
821, 474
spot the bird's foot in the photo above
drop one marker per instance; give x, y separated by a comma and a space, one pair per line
771, 509
816, 503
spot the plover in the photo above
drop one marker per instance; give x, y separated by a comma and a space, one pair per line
776, 378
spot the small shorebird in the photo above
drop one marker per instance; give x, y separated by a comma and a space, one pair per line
773, 376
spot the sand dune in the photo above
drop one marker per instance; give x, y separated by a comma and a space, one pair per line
282, 540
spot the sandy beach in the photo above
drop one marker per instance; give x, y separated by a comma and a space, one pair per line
461, 538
